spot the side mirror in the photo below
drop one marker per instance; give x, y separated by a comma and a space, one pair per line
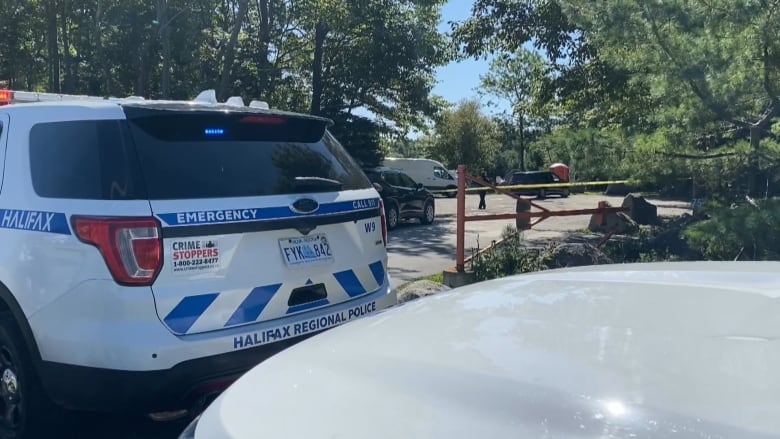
419, 186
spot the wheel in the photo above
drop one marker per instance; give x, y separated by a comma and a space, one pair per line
429, 213
453, 193
391, 213
565, 193
25, 411
542, 194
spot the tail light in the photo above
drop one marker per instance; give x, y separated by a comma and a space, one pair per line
383, 221
131, 247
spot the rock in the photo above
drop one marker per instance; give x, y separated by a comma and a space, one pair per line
522, 206
617, 189
617, 222
576, 255
640, 210
421, 288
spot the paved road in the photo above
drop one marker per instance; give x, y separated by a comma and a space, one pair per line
417, 251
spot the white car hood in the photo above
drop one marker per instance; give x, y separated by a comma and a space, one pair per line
681, 350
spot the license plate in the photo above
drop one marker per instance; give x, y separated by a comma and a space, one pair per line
304, 251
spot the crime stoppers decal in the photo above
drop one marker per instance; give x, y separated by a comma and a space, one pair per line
194, 256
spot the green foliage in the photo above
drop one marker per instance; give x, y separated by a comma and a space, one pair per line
579, 85
381, 55
515, 78
741, 232
360, 137
592, 154
465, 136
640, 248
376, 55
693, 87
507, 258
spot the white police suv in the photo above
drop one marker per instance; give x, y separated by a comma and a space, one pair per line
154, 251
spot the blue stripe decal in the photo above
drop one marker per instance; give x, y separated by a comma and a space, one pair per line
378, 271
350, 283
305, 306
262, 213
253, 305
181, 318
34, 221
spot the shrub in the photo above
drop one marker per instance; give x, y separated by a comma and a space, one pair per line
748, 232
507, 258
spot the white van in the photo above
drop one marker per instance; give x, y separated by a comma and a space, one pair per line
432, 174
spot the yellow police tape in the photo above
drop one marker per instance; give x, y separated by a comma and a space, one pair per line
536, 186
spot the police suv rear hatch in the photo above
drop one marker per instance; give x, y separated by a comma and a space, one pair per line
264, 215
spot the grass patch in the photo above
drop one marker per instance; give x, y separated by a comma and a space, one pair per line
438, 278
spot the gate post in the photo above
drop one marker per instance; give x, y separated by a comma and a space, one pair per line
460, 228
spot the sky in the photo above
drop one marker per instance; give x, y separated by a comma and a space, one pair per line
460, 80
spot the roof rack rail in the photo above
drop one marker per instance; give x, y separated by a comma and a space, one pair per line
205, 97
235, 101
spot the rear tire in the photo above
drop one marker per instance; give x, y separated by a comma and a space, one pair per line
429, 213
391, 213
25, 410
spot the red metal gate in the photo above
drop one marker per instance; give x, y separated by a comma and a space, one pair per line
523, 213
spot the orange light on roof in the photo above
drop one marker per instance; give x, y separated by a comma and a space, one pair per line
6, 96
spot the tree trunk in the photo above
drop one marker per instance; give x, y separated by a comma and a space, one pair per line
165, 34
102, 60
53, 50
320, 32
142, 81
69, 85
230, 51
522, 143
754, 168
264, 73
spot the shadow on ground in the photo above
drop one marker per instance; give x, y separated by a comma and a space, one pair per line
414, 239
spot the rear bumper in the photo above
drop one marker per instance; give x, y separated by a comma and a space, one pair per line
181, 387
121, 362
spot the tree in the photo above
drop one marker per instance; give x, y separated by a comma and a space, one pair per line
714, 68
579, 87
683, 80
466, 136
376, 55
516, 79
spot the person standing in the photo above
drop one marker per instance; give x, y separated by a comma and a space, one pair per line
483, 192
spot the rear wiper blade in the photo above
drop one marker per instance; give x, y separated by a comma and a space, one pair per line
312, 184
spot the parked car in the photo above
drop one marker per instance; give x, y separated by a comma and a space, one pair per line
430, 173
536, 178
403, 197
153, 251
661, 350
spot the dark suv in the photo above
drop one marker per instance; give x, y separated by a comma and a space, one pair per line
533, 178
403, 197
